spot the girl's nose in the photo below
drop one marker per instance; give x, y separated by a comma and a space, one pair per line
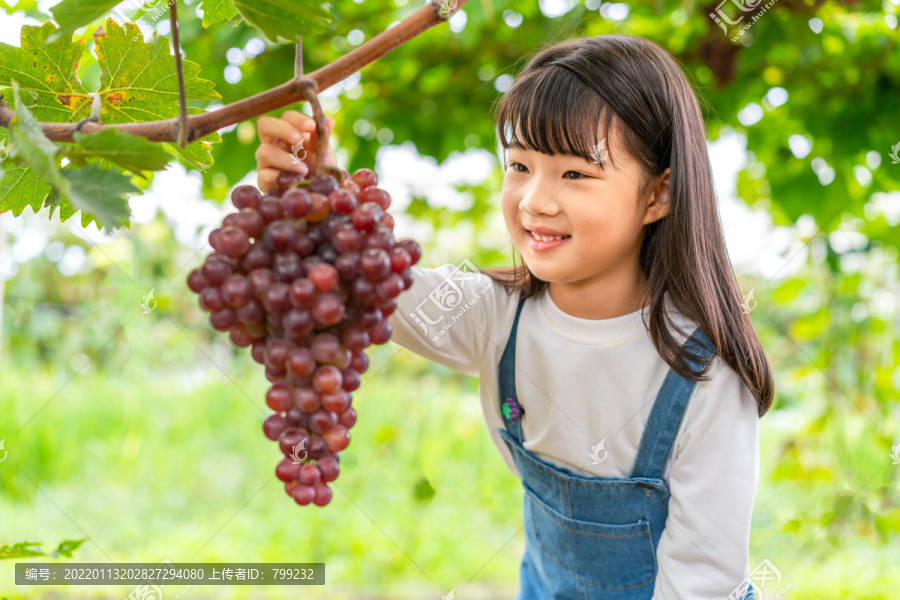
537, 200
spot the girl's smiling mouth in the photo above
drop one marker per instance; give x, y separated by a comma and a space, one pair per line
541, 238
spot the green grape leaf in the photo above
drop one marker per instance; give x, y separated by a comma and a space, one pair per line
285, 18
138, 82
217, 10
131, 152
72, 14
92, 190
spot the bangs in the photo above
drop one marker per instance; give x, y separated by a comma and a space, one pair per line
553, 112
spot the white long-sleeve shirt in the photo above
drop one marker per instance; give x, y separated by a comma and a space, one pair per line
584, 381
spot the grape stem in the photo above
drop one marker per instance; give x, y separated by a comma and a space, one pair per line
308, 89
182, 126
290, 92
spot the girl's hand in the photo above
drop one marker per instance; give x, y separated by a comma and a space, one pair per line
278, 138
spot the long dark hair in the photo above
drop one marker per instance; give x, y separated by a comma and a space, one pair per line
630, 83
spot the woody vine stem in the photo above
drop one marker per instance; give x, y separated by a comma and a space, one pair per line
185, 128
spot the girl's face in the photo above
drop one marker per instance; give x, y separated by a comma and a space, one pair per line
596, 211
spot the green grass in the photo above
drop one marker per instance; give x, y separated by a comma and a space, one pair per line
166, 459
156, 467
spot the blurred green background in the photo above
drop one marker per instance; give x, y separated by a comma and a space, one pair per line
141, 431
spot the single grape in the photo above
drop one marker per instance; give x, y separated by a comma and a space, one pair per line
381, 333
245, 196
400, 260
239, 336
303, 494
323, 494
215, 270
250, 221
359, 362
374, 264
319, 207
336, 402
211, 299
258, 256
323, 184
273, 425
324, 276
270, 208
196, 281
322, 420
280, 396
237, 291
365, 178
307, 399
326, 379
292, 438
287, 469
223, 320
347, 417
328, 467
309, 474
296, 203
328, 308
337, 438
277, 352
276, 299
286, 179
279, 235
351, 379
376, 195
412, 248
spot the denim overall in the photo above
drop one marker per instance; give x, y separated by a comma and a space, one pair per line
595, 538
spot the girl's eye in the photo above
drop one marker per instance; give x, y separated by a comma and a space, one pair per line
513, 166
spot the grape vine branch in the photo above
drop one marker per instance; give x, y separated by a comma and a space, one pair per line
287, 93
114, 137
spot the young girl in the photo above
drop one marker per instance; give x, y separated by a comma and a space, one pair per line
620, 378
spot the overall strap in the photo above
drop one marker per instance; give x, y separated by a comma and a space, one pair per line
512, 411
668, 411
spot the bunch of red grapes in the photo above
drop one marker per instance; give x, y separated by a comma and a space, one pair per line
307, 277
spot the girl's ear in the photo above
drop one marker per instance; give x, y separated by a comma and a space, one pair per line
659, 199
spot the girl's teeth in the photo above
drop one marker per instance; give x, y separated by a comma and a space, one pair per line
547, 238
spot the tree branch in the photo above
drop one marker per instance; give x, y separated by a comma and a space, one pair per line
290, 92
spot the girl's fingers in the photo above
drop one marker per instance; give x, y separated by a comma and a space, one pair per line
304, 122
270, 156
266, 180
271, 129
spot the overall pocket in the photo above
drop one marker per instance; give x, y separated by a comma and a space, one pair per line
596, 555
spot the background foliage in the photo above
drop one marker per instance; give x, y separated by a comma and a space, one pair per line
145, 446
